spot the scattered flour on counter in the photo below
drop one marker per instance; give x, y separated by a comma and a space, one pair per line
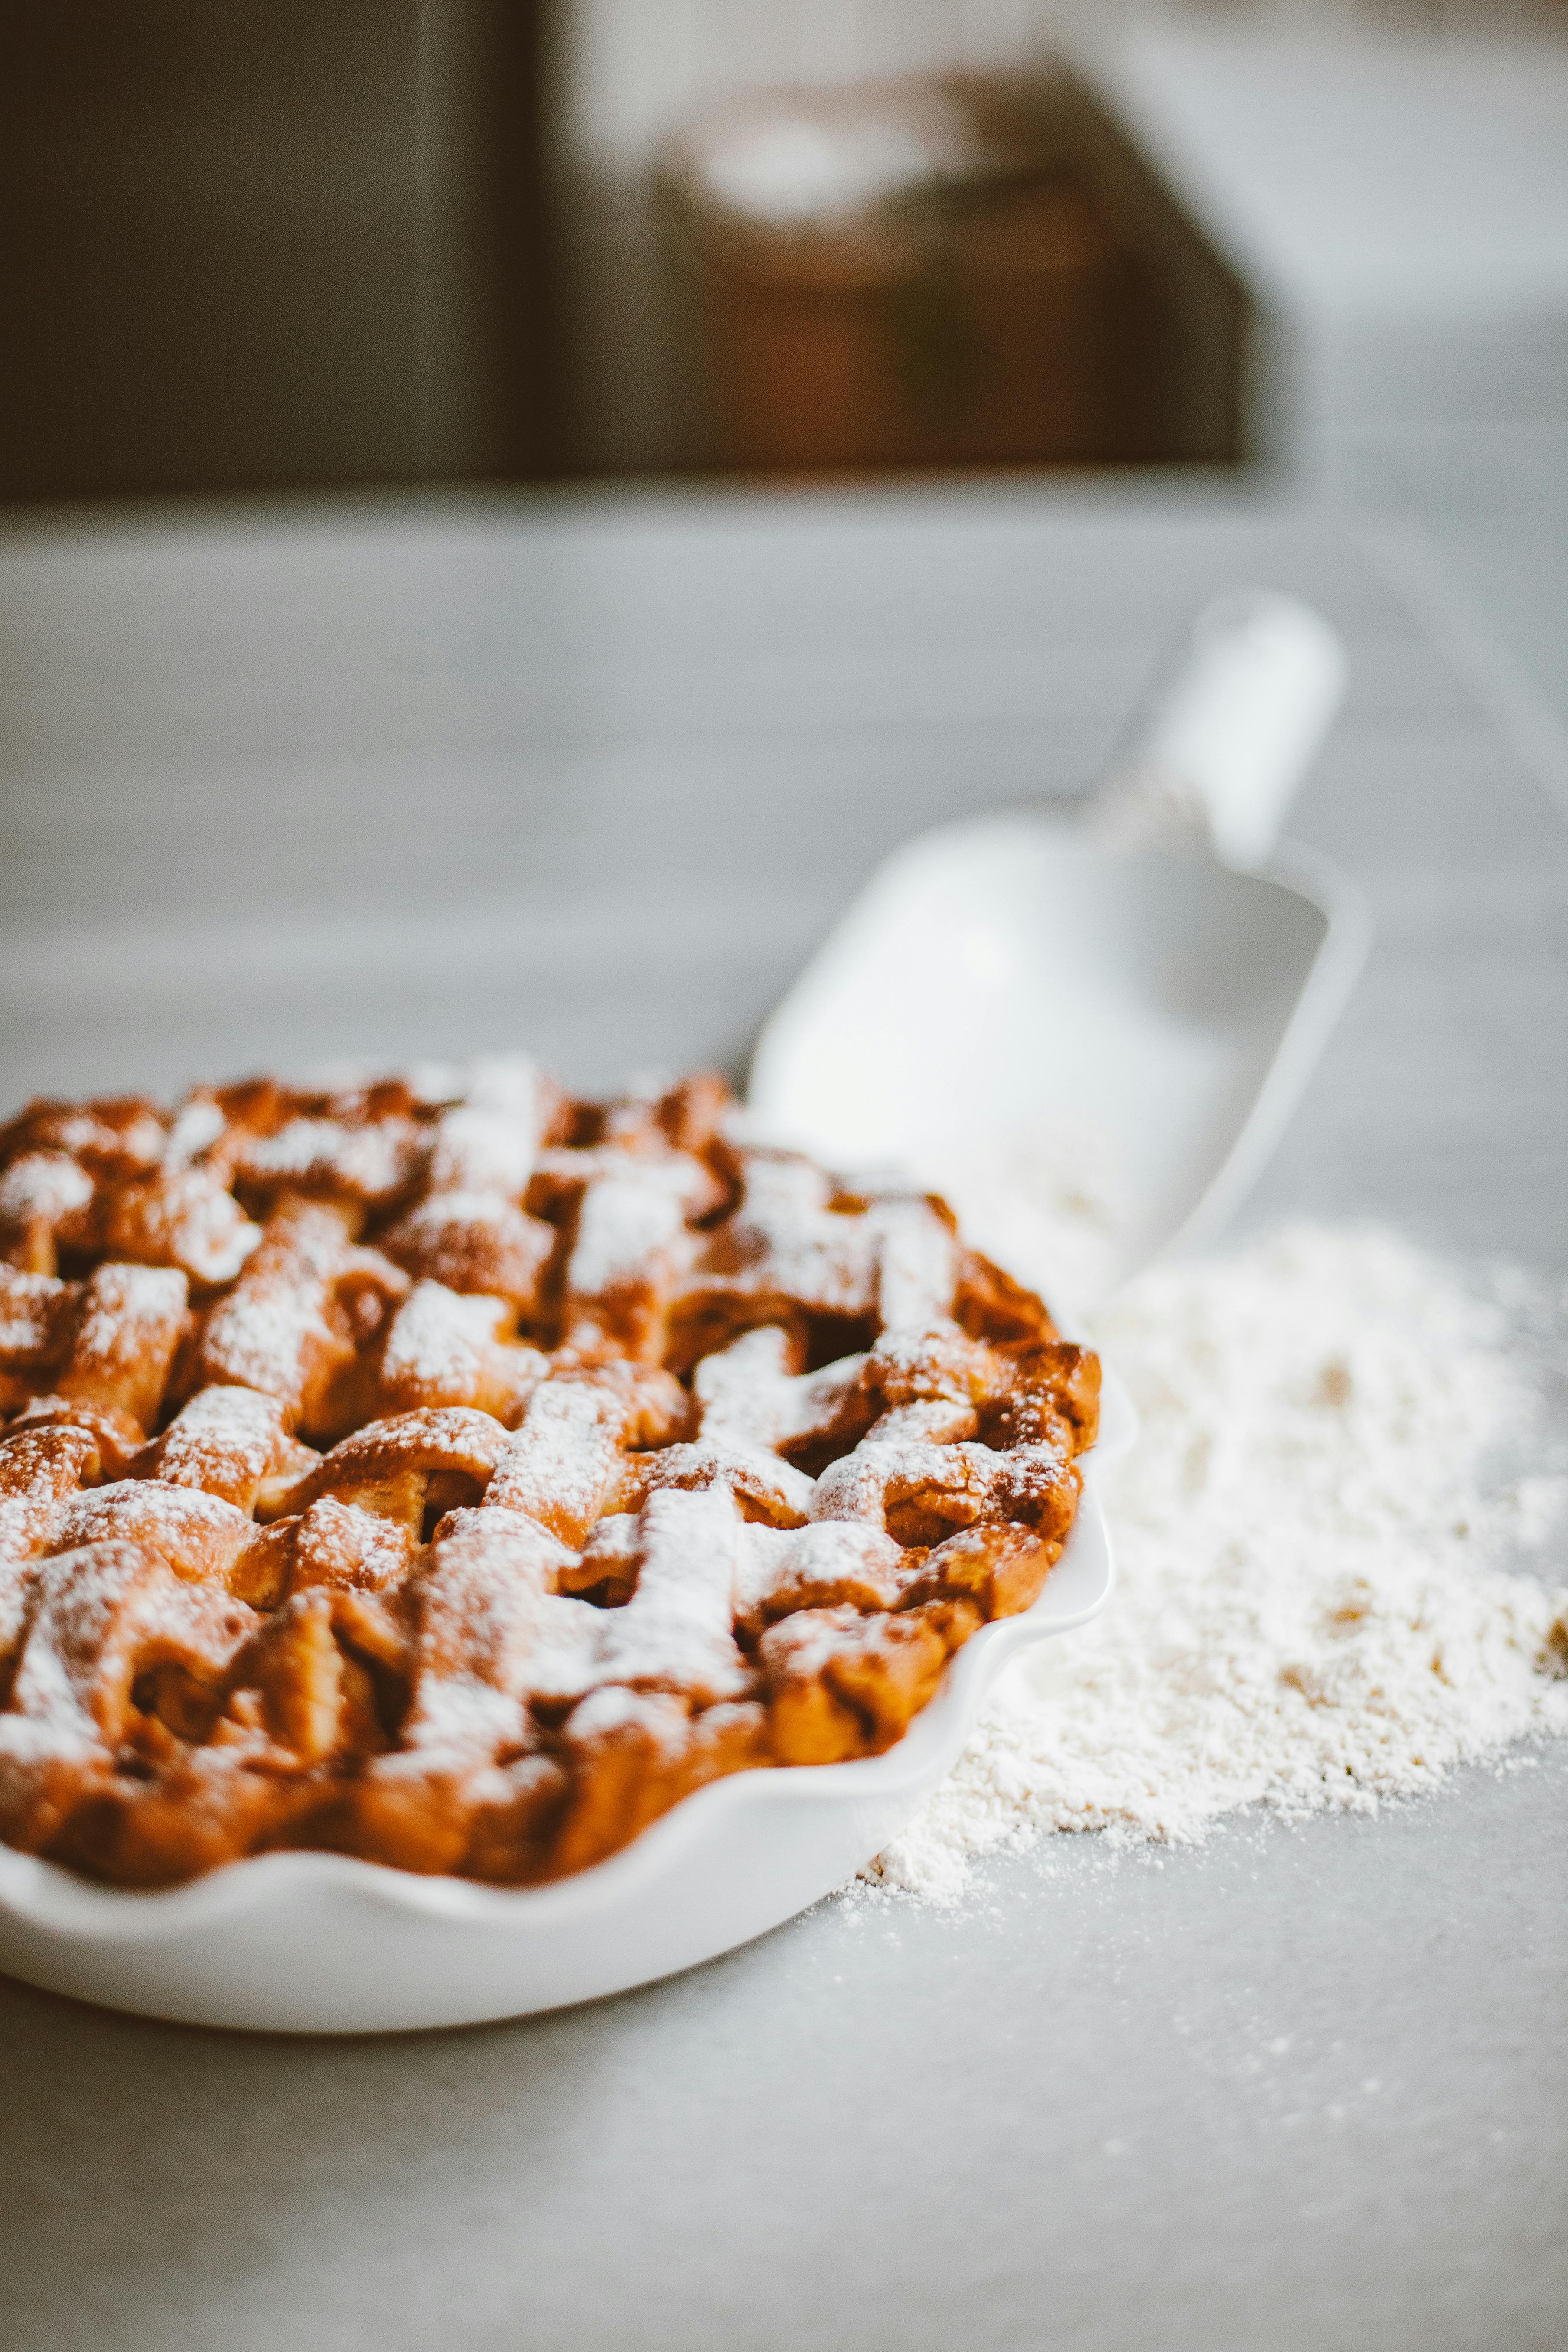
1341, 1445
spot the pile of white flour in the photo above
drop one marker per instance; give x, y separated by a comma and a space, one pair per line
1342, 1447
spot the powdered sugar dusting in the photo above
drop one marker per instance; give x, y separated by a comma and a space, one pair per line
747, 1391
623, 1221
226, 1433
260, 1337
29, 1303
489, 1140
675, 1628
751, 1471
45, 1185
372, 1162
436, 1334
199, 1529
916, 1262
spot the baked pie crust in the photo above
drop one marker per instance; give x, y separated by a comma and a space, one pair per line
455, 1474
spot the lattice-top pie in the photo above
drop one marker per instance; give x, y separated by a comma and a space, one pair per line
454, 1474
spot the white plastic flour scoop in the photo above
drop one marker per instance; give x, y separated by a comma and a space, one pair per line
1090, 1032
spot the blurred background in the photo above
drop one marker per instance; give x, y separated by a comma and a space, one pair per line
497, 497
262, 245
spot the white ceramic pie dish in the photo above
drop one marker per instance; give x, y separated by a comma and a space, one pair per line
319, 1943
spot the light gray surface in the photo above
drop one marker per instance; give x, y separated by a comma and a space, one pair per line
1394, 202
597, 777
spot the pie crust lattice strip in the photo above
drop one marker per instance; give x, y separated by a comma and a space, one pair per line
454, 1474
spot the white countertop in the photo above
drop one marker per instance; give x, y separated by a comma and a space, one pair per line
594, 775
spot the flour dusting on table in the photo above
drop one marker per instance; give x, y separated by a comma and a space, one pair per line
1341, 1446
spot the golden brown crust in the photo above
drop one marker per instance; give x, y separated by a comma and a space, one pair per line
446, 1472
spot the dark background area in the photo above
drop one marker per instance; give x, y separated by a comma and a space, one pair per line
263, 245
280, 245
254, 243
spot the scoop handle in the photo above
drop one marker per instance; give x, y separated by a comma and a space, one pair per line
1229, 737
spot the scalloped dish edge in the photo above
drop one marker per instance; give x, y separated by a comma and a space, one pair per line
44, 1895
